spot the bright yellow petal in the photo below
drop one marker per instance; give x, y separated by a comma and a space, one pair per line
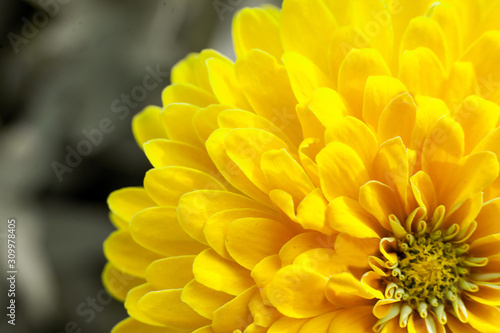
177, 119
357, 66
398, 119
344, 290
287, 325
421, 71
186, 93
308, 30
381, 201
158, 230
307, 301
126, 202
478, 118
202, 299
357, 135
346, 215
249, 240
235, 314
257, 28
196, 207
225, 85
162, 153
131, 304
128, 256
130, 325
305, 76
379, 91
146, 125
342, 171
267, 87
220, 274
357, 319
170, 273
166, 185
118, 283
166, 307
318, 324
482, 317
205, 120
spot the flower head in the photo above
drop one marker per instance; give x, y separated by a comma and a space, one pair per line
340, 176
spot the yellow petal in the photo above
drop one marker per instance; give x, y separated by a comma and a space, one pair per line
487, 220
262, 312
429, 111
205, 329
346, 215
158, 230
472, 175
170, 273
448, 18
478, 117
243, 119
456, 326
245, 147
287, 325
193, 69
357, 319
462, 82
196, 207
126, 255
483, 55
301, 243
249, 240
380, 200
205, 120
202, 299
391, 167
146, 125
342, 171
322, 260
486, 246
491, 143
305, 76
225, 85
443, 147
345, 290
216, 227
318, 324
166, 307
186, 93
118, 283
488, 294
425, 32
131, 304
398, 119
311, 213
117, 221
130, 325
357, 135
257, 28
482, 317
424, 191
263, 273
126, 202
357, 66
177, 119
308, 30
235, 314
162, 153
284, 173
307, 301
379, 91
166, 185
220, 274
268, 90
229, 169
421, 71
308, 150
354, 251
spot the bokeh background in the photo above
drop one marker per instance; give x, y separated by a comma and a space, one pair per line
63, 63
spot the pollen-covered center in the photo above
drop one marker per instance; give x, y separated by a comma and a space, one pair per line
429, 270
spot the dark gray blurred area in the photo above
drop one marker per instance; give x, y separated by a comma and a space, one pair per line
63, 65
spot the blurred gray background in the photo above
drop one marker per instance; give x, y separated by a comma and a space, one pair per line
63, 64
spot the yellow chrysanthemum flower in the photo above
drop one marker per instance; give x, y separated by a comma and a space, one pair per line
340, 176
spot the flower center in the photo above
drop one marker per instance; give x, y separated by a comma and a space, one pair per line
429, 270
